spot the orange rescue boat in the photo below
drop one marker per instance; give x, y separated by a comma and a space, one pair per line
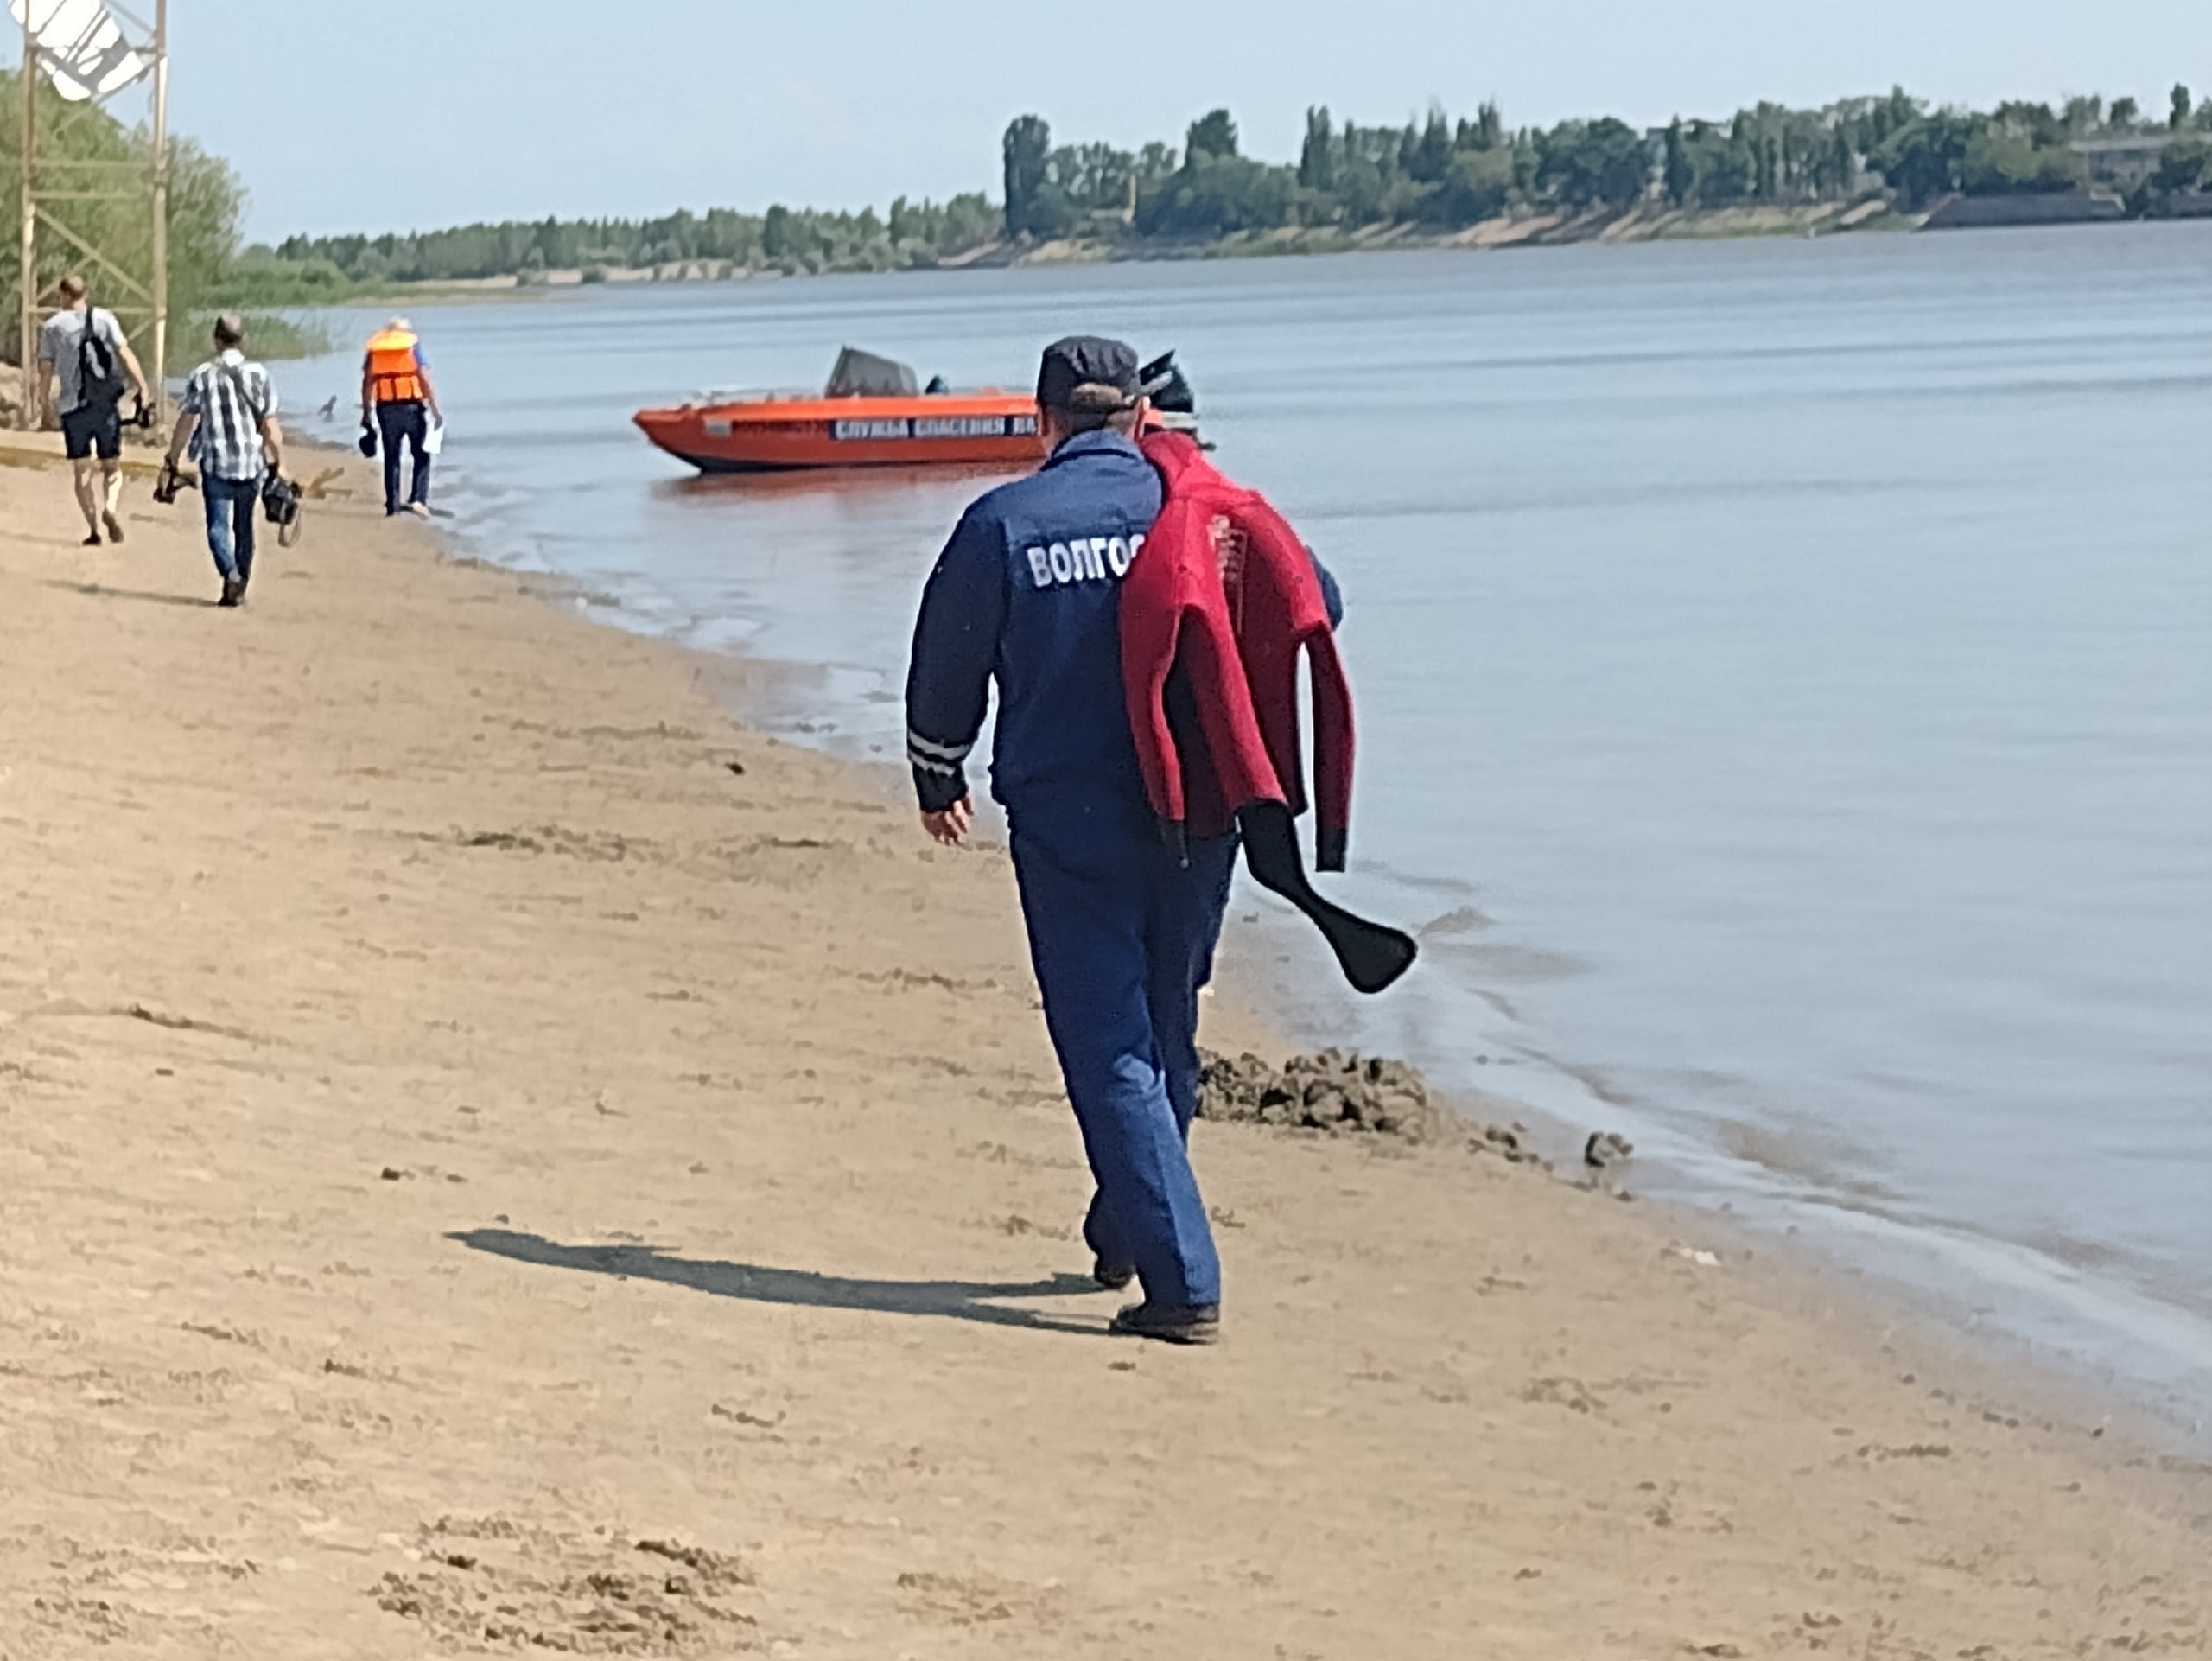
870, 415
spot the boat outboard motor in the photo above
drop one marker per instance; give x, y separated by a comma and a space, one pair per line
1174, 405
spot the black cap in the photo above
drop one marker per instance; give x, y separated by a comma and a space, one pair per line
1085, 361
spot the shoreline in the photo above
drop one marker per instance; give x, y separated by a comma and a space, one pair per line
1488, 237
480, 1103
2139, 1334
2026, 1308
1816, 220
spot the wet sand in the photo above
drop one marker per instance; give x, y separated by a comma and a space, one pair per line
498, 1158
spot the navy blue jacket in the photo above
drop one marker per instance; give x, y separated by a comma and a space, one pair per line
1028, 591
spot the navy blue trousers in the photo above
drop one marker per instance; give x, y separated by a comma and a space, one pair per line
407, 424
1123, 937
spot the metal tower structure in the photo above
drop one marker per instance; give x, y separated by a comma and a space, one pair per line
88, 53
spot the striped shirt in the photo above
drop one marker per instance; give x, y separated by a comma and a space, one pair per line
227, 441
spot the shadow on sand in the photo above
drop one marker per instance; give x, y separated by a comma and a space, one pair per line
102, 591
956, 1300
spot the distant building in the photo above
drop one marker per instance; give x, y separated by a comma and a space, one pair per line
2123, 162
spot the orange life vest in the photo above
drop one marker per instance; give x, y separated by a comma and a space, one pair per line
393, 370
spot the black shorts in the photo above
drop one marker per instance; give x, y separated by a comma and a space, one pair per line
87, 429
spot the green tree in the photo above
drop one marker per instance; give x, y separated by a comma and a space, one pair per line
779, 240
1681, 175
1093, 177
965, 222
1477, 186
2083, 114
1587, 164
1212, 134
1028, 151
1317, 157
2034, 122
1432, 152
1211, 195
2178, 106
1872, 122
1999, 162
205, 204
2186, 165
1927, 159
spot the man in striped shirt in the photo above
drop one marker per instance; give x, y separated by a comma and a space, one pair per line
228, 416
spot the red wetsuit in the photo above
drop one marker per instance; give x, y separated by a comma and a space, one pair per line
1225, 599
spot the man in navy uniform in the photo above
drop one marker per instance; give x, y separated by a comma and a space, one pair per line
1121, 932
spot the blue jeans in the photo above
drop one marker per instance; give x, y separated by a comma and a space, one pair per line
410, 420
230, 504
1122, 938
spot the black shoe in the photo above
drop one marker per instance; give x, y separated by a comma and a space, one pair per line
233, 593
93, 541
114, 527
1170, 1323
1111, 1278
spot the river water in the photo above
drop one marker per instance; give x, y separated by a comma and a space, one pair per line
1784, 673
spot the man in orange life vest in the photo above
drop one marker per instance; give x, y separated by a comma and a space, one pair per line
396, 393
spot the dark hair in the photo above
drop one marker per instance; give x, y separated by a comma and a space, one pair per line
72, 287
230, 329
1094, 405
1097, 398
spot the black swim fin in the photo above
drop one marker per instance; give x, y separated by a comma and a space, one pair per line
1372, 955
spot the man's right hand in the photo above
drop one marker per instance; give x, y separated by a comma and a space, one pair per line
949, 828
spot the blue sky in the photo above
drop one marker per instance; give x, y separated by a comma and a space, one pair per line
386, 114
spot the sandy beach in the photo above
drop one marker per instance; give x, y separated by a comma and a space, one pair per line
498, 1158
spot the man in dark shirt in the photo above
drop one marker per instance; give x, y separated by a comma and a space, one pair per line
1121, 932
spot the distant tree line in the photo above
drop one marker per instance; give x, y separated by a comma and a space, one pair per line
782, 239
1442, 173
1437, 173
